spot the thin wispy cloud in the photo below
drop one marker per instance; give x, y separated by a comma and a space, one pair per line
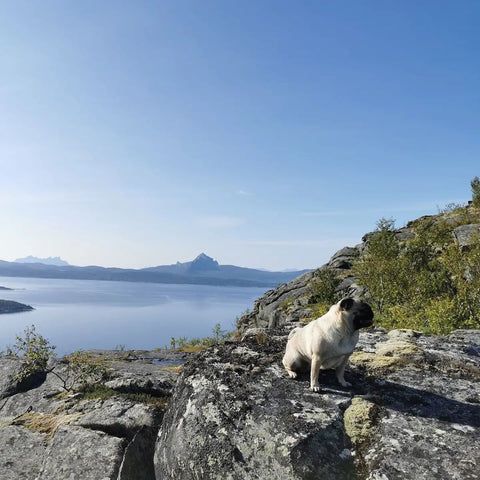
244, 193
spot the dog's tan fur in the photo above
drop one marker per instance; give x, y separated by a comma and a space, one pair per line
327, 342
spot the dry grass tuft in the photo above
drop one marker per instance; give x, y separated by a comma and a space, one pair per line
45, 423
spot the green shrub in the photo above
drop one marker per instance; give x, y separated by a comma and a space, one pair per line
475, 184
81, 370
319, 309
379, 269
323, 287
426, 282
34, 349
198, 344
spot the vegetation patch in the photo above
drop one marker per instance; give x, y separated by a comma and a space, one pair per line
397, 349
317, 310
323, 292
193, 345
389, 356
323, 287
45, 423
361, 423
174, 368
427, 282
101, 392
286, 304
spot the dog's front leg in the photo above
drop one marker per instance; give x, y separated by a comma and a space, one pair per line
340, 372
314, 371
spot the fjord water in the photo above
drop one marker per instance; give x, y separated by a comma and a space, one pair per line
90, 314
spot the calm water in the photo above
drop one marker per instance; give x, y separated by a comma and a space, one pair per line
88, 314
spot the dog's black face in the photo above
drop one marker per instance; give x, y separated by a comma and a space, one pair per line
360, 313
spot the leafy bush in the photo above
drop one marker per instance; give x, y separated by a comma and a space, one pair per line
198, 344
426, 282
475, 184
323, 287
323, 292
80, 368
379, 269
34, 349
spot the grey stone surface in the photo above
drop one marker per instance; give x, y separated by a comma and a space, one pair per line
47, 436
141, 377
21, 453
343, 259
10, 367
464, 234
40, 395
76, 453
269, 311
413, 413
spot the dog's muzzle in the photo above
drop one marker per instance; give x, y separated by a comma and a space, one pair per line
363, 317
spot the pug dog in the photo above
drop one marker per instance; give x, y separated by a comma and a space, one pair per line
327, 342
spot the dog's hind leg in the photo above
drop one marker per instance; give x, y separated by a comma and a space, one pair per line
289, 364
293, 363
291, 373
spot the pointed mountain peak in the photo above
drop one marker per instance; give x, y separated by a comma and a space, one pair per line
203, 256
203, 263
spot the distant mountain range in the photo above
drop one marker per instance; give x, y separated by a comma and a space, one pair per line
46, 261
203, 270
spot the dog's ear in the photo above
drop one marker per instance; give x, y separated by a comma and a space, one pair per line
347, 303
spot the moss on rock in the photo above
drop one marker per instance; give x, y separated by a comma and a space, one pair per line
360, 421
391, 355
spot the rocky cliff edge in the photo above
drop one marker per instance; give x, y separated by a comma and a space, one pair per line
413, 413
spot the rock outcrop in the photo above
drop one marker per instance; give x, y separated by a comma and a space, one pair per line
269, 312
46, 434
292, 301
413, 413
465, 234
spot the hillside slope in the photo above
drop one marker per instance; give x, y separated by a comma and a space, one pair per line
425, 275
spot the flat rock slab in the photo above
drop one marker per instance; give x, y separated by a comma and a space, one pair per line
142, 377
21, 453
413, 413
47, 436
235, 415
79, 454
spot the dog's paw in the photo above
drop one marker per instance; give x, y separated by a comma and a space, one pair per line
315, 388
292, 374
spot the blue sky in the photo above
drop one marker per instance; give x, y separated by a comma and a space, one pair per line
264, 133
